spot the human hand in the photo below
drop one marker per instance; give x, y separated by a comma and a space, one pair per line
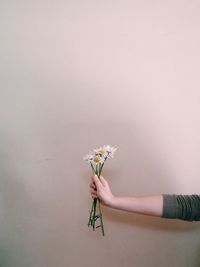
99, 188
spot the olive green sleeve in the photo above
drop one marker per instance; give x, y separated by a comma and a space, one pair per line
183, 207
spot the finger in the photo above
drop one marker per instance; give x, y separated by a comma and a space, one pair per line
103, 180
96, 181
92, 185
92, 180
93, 192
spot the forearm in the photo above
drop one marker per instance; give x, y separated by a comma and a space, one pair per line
183, 207
147, 205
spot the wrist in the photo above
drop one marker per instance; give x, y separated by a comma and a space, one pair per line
112, 202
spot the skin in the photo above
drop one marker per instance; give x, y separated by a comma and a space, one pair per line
146, 205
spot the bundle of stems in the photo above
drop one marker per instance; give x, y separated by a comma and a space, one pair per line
96, 213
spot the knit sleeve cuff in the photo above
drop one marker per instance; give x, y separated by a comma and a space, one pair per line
169, 206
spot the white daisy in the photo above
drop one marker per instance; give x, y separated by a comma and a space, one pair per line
88, 157
110, 150
97, 159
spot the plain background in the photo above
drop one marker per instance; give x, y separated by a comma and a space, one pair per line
75, 75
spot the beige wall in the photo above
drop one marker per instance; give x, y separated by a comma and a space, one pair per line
79, 74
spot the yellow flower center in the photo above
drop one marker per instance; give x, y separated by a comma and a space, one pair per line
97, 159
101, 151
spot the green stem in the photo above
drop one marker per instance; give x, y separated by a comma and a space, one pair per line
92, 167
94, 214
101, 218
90, 218
96, 170
102, 165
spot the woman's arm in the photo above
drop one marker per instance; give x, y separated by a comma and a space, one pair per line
184, 207
148, 205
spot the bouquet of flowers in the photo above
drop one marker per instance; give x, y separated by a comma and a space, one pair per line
97, 159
